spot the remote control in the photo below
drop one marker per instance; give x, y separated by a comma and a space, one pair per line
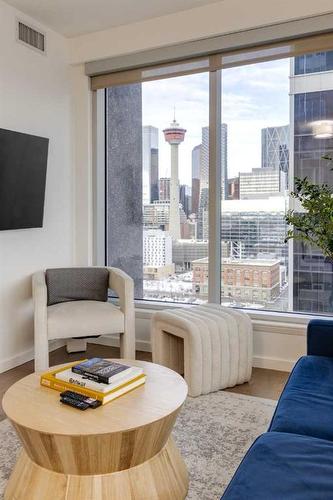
93, 403
76, 404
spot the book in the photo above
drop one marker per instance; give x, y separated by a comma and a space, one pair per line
82, 381
50, 380
102, 370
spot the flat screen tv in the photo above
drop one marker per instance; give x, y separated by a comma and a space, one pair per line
23, 162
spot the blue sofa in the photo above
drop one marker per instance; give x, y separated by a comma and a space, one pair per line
294, 459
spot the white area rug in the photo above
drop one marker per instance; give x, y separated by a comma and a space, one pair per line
213, 433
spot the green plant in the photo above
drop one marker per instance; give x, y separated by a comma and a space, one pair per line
314, 225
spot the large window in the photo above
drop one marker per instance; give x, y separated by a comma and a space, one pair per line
157, 184
161, 204
255, 109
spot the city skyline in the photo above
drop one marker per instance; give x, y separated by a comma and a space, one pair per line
259, 116
245, 110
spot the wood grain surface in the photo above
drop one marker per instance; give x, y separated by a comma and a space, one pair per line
99, 450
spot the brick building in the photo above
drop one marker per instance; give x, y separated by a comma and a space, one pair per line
249, 280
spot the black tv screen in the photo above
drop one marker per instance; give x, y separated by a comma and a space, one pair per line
23, 162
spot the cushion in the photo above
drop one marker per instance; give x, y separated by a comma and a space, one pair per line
83, 318
306, 404
284, 466
76, 283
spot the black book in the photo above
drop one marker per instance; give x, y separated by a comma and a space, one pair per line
102, 370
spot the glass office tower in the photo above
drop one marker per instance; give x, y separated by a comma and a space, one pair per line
312, 107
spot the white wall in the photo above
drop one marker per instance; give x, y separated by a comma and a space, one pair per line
214, 19
34, 98
82, 164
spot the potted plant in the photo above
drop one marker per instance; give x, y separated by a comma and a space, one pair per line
314, 224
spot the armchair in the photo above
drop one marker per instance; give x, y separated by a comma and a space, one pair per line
72, 302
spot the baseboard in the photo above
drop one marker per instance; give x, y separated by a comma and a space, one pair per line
140, 345
25, 356
283, 365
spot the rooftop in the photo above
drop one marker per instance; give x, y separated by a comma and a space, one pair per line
242, 262
268, 205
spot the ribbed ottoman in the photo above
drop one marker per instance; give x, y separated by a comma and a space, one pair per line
210, 345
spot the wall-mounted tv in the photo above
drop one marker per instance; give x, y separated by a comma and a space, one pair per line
23, 162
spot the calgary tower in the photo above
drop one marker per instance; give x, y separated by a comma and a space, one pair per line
174, 135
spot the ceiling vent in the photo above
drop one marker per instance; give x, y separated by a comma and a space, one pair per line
31, 37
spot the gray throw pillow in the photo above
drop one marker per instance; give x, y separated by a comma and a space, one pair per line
76, 283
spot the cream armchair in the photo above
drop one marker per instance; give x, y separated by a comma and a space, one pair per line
59, 314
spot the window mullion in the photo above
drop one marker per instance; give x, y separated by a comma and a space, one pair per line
98, 178
215, 178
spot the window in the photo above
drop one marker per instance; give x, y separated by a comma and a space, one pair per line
255, 109
154, 165
314, 63
160, 204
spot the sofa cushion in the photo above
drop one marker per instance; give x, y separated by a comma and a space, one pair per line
284, 466
83, 318
76, 283
306, 404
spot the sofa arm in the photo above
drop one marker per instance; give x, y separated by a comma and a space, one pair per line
320, 337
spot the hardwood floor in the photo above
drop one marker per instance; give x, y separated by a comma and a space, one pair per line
264, 383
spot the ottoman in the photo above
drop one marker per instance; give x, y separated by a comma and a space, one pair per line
210, 345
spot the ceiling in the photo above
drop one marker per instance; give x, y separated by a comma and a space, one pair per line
77, 17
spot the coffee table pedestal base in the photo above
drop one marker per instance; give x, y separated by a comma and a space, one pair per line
163, 477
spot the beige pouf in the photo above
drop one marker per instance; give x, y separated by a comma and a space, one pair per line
210, 344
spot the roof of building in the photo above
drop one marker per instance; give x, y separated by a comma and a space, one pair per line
268, 205
242, 262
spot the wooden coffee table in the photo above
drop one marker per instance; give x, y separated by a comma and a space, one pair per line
120, 451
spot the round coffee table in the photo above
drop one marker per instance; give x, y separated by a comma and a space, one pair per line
120, 451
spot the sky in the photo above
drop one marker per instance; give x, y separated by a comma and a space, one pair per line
253, 97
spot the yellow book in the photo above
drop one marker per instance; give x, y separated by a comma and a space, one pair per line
49, 380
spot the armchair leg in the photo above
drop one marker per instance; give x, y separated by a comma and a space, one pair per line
127, 345
41, 354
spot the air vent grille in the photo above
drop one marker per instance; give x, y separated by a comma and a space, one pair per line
31, 37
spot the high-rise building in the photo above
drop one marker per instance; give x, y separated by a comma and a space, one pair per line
184, 252
275, 147
174, 135
185, 198
196, 159
124, 206
203, 215
157, 248
261, 183
149, 164
256, 228
164, 189
203, 229
233, 188
312, 109
157, 215
204, 164
157, 254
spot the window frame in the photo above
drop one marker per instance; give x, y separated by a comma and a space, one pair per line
99, 216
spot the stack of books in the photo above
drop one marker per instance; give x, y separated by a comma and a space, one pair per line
96, 378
